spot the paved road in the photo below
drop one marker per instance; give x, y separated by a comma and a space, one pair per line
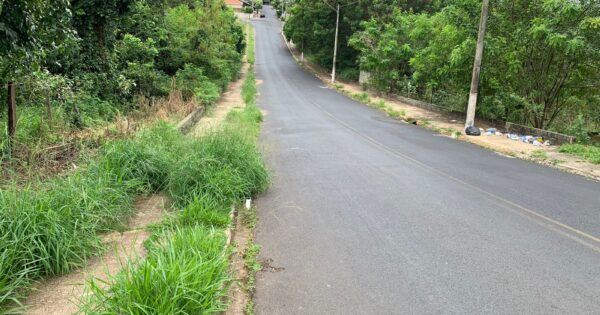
367, 215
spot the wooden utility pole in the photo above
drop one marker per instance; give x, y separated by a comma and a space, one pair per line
477, 65
12, 114
337, 26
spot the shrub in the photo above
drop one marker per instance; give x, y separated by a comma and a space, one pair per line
192, 83
349, 74
133, 49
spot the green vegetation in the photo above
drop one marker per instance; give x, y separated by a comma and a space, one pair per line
186, 273
395, 113
51, 227
205, 177
590, 153
380, 104
90, 61
361, 97
250, 44
540, 66
251, 260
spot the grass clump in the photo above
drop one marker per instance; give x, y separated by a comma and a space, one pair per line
361, 97
186, 268
394, 113
50, 228
224, 165
380, 104
186, 273
590, 153
205, 211
253, 265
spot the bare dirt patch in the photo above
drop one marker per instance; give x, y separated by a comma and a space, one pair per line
60, 295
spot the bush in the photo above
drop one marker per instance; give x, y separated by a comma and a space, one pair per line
133, 49
579, 129
349, 74
86, 110
192, 83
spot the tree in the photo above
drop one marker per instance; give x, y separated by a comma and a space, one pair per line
30, 29
541, 61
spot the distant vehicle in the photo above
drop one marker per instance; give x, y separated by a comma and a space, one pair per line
262, 15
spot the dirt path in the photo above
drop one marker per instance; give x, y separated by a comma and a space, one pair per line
231, 100
59, 296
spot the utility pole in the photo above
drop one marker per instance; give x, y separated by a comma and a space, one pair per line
477, 65
337, 26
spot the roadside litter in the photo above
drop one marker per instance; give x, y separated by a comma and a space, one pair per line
533, 140
473, 131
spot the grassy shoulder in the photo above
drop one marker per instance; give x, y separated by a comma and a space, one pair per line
205, 177
588, 152
187, 267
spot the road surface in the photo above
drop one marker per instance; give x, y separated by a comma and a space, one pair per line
367, 215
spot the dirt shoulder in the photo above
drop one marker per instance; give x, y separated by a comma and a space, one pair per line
450, 126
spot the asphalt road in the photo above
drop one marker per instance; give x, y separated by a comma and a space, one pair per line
367, 215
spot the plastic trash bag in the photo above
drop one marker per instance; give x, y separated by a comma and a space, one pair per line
473, 131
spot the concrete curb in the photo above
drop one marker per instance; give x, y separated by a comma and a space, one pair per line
191, 120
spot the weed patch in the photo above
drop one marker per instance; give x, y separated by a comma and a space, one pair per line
186, 273
590, 153
361, 97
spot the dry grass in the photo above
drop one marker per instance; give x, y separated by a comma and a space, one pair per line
42, 159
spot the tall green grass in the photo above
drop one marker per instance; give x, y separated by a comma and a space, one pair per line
250, 44
186, 273
205, 176
50, 228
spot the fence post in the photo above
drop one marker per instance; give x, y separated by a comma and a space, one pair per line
49, 109
12, 114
